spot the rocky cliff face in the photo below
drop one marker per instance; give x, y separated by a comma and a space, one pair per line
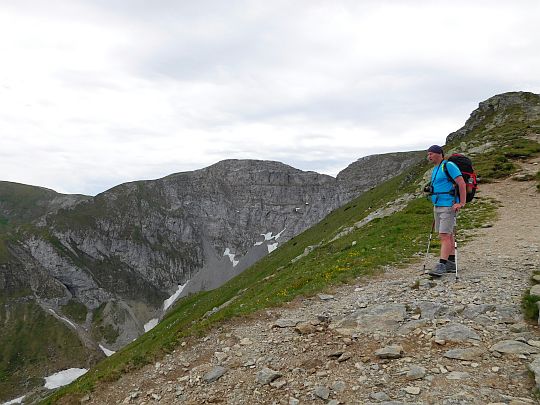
370, 171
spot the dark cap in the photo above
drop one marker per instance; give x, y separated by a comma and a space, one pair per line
435, 149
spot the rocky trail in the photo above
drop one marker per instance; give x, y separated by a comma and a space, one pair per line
398, 338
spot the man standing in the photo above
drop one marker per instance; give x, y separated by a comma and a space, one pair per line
446, 203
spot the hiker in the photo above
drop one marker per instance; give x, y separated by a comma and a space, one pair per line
446, 204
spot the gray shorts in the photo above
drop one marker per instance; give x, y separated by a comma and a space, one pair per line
445, 219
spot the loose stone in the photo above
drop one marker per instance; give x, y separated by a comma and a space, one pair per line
457, 375
379, 396
416, 373
390, 352
464, 354
412, 390
321, 392
215, 374
514, 347
267, 375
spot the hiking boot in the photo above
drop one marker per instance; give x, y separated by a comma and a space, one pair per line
438, 271
450, 266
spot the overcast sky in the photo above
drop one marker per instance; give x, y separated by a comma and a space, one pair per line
97, 93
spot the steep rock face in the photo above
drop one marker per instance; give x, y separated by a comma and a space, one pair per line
160, 233
134, 244
370, 171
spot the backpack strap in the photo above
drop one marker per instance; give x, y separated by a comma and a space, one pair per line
445, 170
454, 190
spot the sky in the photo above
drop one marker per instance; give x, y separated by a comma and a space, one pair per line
102, 92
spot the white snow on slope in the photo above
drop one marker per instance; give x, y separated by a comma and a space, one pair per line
231, 256
169, 301
63, 377
151, 324
106, 351
268, 236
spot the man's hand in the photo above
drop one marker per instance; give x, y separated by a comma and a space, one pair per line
456, 207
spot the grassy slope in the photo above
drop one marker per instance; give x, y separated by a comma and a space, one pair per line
275, 280
33, 342
19, 204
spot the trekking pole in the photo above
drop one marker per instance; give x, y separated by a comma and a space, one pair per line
455, 245
429, 243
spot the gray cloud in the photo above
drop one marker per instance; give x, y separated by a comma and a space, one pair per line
95, 93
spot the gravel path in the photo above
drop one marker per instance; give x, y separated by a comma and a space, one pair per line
387, 340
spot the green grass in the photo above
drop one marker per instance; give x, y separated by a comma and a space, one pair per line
499, 164
101, 329
24, 202
529, 306
75, 311
32, 343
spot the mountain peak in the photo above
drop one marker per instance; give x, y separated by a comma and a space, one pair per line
495, 110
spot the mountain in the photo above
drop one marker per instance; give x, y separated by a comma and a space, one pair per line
385, 225
88, 275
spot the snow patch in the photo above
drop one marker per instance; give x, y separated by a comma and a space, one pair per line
64, 319
169, 301
151, 324
63, 377
15, 401
106, 351
272, 247
268, 236
231, 256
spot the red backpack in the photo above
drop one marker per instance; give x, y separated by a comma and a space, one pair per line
464, 164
